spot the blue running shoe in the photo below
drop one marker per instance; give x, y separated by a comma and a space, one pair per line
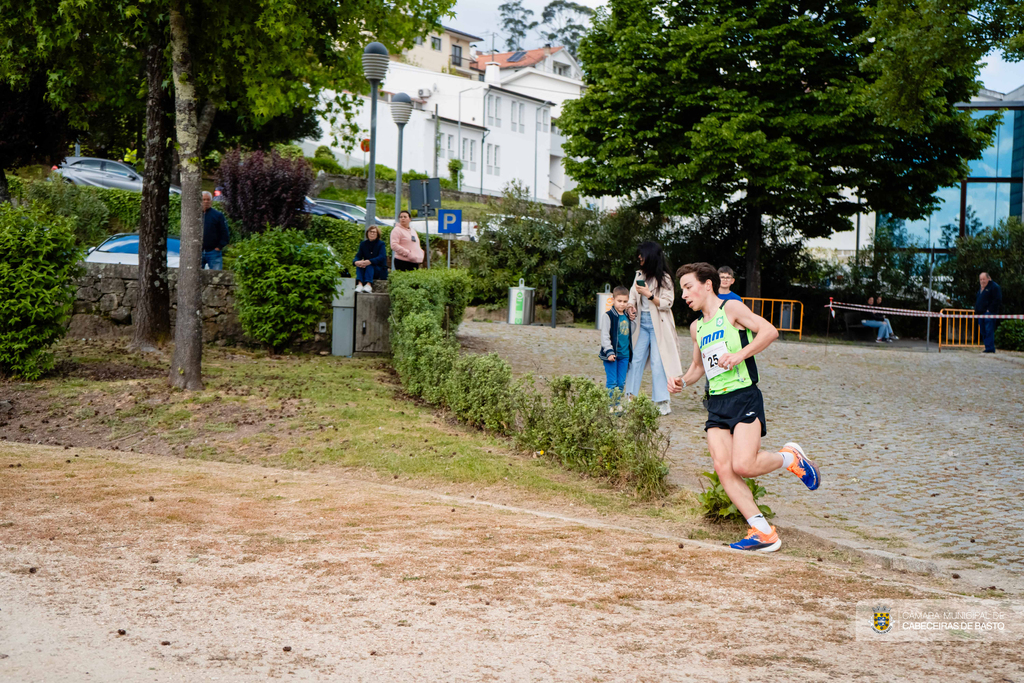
802, 466
759, 542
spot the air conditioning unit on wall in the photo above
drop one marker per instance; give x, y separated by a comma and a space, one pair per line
424, 93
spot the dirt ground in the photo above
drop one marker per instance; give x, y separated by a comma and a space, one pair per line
126, 567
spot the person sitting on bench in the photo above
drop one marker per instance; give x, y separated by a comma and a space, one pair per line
877, 320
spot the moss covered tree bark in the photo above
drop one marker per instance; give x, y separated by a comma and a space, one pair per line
151, 323
186, 367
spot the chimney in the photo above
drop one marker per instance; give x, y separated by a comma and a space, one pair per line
547, 49
492, 74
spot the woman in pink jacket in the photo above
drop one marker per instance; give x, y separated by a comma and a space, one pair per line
405, 244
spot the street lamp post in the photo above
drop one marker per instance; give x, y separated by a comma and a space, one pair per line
401, 110
375, 68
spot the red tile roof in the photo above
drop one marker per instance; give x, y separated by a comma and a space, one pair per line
529, 59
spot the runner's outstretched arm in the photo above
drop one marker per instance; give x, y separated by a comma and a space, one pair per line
764, 333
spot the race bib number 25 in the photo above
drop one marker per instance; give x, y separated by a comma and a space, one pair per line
711, 355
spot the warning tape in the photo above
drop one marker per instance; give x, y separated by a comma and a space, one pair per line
917, 314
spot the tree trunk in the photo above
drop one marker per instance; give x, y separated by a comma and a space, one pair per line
206, 121
186, 368
152, 316
205, 125
5, 190
754, 230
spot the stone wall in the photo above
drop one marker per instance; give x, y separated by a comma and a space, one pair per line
107, 294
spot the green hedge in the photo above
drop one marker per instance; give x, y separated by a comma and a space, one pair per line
285, 285
343, 236
570, 423
38, 259
1010, 335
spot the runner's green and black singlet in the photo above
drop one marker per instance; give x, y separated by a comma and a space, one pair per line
716, 337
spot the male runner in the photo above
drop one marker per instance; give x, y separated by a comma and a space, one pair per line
723, 351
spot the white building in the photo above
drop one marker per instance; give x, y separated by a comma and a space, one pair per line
499, 134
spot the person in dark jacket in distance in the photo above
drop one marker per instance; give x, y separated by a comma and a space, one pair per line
215, 235
371, 260
990, 300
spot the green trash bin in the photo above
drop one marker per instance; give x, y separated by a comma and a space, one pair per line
520, 304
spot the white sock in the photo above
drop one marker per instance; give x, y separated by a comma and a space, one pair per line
760, 523
787, 458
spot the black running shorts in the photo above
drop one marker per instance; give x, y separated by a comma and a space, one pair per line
725, 411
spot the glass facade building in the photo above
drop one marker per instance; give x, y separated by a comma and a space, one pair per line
993, 191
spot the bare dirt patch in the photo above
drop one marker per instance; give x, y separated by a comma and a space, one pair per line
229, 565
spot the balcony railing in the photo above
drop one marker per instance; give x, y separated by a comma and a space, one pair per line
460, 62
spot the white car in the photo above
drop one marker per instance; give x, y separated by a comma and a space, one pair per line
124, 249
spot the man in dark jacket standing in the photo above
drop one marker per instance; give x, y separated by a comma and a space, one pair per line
215, 234
990, 300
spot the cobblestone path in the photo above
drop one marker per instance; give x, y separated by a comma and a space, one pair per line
921, 453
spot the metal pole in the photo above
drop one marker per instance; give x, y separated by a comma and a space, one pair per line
437, 139
536, 138
554, 298
371, 200
449, 252
928, 332
398, 173
458, 144
856, 246
426, 220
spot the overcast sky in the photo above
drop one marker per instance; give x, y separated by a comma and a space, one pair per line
482, 18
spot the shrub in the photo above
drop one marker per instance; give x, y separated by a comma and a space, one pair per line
285, 285
325, 164
288, 151
89, 216
715, 503
413, 175
38, 259
570, 199
264, 190
571, 423
324, 152
331, 192
455, 172
1010, 335
16, 187
125, 209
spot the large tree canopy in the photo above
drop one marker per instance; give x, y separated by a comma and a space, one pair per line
919, 43
758, 106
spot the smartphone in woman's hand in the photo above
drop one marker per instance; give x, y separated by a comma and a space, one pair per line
641, 282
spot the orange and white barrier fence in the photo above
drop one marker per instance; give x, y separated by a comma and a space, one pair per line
787, 315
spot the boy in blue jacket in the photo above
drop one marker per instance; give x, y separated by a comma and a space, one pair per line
616, 343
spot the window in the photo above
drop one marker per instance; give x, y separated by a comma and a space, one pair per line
515, 118
465, 150
418, 40
497, 160
490, 111
435, 43
472, 155
547, 120
456, 55
497, 112
522, 117
490, 159
90, 164
451, 146
563, 70
118, 169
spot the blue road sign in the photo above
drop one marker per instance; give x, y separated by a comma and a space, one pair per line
449, 221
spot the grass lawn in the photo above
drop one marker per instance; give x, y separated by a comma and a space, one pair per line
298, 412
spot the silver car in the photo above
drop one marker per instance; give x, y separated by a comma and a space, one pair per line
102, 173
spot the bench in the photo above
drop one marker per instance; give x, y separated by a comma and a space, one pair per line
855, 330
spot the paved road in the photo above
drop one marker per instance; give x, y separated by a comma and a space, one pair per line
921, 453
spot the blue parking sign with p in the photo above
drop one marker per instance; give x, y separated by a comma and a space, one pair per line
449, 221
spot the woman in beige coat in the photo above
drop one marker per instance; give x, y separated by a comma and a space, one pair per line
655, 344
